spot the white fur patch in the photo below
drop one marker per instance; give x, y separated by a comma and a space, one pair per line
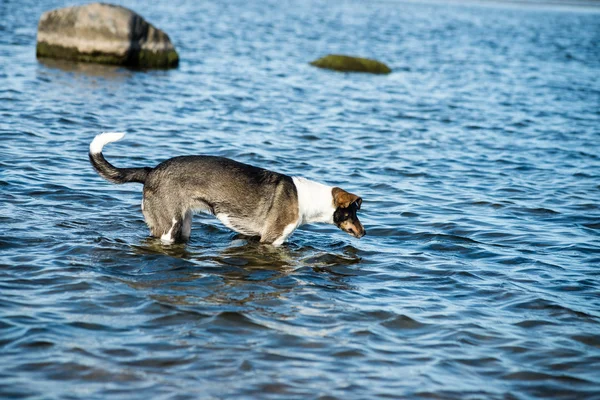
166, 237
227, 221
224, 218
287, 231
315, 201
102, 139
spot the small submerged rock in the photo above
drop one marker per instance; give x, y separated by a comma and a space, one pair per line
106, 34
343, 63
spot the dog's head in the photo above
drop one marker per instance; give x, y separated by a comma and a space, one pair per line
344, 217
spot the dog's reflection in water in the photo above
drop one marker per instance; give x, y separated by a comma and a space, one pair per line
241, 252
239, 256
238, 271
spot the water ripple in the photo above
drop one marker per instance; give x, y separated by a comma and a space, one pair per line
476, 160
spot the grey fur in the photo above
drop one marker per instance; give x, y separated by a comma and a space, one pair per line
117, 175
257, 202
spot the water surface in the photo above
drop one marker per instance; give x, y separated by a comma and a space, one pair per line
477, 159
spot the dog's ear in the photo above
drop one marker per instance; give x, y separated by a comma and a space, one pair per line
343, 199
358, 202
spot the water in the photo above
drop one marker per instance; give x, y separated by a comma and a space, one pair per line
477, 159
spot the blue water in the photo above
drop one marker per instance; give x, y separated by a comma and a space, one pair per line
478, 160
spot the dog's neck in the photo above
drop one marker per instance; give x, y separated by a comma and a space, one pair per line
315, 201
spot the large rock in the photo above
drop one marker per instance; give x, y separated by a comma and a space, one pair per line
106, 34
343, 63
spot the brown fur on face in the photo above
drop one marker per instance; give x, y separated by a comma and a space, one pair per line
354, 228
343, 199
346, 204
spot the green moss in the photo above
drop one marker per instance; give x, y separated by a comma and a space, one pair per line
138, 59
151, 59
173, 58
343, 63
72, 54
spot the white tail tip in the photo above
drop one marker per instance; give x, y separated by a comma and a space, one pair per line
104, 138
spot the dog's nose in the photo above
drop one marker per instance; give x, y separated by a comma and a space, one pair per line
357, 233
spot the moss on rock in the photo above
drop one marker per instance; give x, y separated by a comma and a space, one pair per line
136, 59
153, 59
344, 63
45, 50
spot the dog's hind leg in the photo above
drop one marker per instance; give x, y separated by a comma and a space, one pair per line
174, 232
171, 228
186, 226
167, 223
153, 216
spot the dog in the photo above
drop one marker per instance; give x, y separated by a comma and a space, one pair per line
249, 200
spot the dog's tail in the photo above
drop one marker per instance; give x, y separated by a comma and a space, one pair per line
109, 171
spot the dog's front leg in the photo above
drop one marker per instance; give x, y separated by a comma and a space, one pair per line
277, 237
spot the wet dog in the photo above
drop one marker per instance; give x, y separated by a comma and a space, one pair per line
249, 200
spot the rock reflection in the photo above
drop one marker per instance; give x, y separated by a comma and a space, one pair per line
93, 70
